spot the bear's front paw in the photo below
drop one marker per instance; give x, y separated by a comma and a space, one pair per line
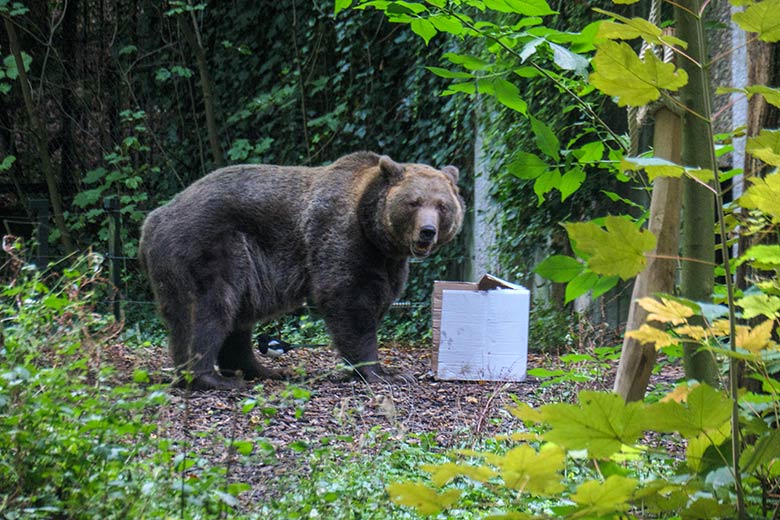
376, 373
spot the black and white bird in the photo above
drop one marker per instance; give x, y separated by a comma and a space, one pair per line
271, 346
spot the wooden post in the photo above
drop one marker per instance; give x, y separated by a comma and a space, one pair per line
40, 207
637, 360
111, 205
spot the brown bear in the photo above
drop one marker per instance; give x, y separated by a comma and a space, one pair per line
248, 243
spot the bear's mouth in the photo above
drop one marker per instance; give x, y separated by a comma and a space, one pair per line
422, 248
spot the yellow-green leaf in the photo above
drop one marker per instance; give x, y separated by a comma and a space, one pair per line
419, 496
765, 146
666, 310
771, 95
762, 18
755, 339
764, 195
442, 474
601, 498
762, 256
705, 410
621, 73
759, 305
526, 413
538, 473
617, 250
635, 28
697, 446
600, 423
648, 334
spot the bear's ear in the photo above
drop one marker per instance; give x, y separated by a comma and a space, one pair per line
452, 172
390, 169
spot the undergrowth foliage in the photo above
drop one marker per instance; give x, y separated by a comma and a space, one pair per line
589, 459
78, 439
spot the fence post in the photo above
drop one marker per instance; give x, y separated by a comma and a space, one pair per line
111, 205
42, 214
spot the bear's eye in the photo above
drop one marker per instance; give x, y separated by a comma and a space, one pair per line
442, 207
416, 203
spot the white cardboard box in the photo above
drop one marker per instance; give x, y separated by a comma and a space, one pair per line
480, 330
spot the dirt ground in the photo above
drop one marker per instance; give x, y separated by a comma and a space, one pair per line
325, 406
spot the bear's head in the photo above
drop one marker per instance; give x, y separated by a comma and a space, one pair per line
423, 208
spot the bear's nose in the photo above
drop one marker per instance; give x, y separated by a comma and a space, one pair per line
427, 233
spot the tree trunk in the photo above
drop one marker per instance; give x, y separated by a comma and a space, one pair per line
637, 360
189, 28
39, 132
698, 234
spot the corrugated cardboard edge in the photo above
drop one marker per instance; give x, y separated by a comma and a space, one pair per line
438, 290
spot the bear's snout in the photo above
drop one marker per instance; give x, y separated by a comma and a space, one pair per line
427, 233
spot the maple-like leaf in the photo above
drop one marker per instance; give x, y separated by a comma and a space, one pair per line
705, 410
538, 473
762, 257
762, 18
621, 73
694, 332
425, 500
600, 423
764, 195
765, 146
755, 339
631, 28
697, 447
658, 167
617, 250
601, 498
647, 334
441, 474
666, 310
755, 305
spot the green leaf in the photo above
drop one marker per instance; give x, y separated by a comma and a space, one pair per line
762, 18
765, 146
545, 138
621, 73
340, 5
631, 28
602, 498
604, 284
559, 268
762, 257
571, 182
424, 29
538, 473
580, 284
424, 499
468, 62
546, 182
762, 453
243, 447
568, 60
11, 71
705, 410
763, 195
447, 23
527, 166
442, 474
509, 95
140, 376
600, 423
7, 162
617, 250
444, 73
589, 153
771, 95
523, 7
759, 305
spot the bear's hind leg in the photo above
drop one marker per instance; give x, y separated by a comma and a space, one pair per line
237, 354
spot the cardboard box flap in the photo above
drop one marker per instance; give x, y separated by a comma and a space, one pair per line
488, 282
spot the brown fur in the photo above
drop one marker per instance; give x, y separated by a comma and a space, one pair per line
248, 243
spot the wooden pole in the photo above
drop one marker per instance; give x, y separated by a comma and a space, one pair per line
637, 360
40, 207
111, 205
